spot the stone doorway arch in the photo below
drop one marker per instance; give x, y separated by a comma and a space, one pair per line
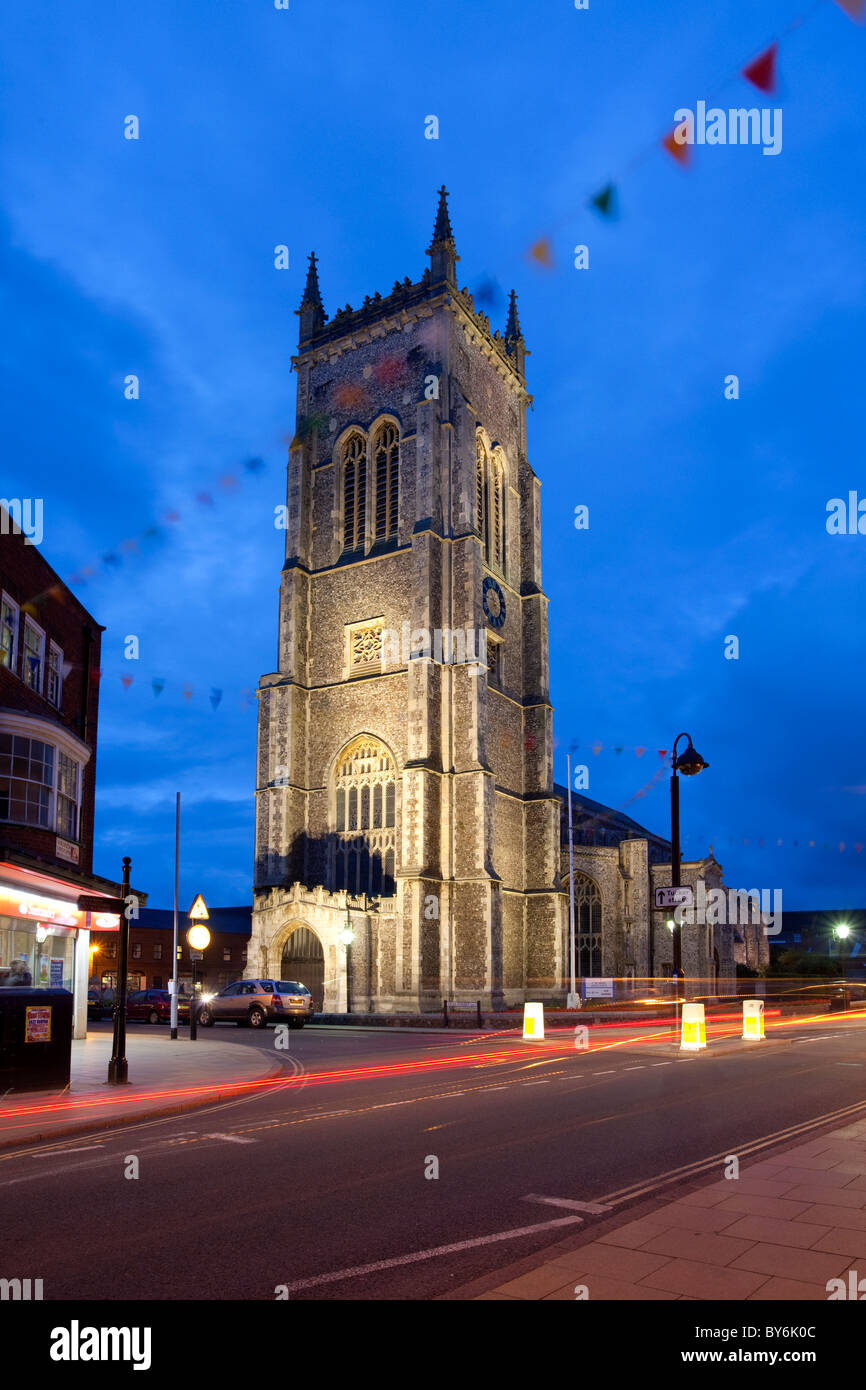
303, 959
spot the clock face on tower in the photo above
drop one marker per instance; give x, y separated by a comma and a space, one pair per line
494, 602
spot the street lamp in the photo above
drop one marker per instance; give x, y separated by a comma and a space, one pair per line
198, 938
689, 763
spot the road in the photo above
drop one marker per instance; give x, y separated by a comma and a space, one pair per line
313, 1179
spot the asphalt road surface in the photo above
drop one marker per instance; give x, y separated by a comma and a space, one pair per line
319, 1182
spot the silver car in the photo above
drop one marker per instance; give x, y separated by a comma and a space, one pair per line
256, 1003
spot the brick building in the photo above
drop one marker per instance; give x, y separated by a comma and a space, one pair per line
49, 699
408, 843
150, 946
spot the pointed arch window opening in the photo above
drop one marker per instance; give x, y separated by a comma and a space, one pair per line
490, 503
587, 926
354, 492
364, 839
387, 472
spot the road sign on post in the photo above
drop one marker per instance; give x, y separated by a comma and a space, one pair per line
675, 897
89, 902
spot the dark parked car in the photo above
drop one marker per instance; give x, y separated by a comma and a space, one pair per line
98, 1007
154, 1006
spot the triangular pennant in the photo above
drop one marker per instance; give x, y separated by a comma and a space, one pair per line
157, 685
205, 499
680, 152
761, 72
541, 252
855, 9
187, 692
215, 697
605, 201
228, 480
254, 465
618, 750
596, 749
639, 752
126, 681
663, 752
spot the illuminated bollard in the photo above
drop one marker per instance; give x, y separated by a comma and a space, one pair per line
694, 1033
533, 1021
753, 1020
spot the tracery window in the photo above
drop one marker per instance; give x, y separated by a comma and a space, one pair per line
376, 453
354, 491
587, 925
365, 805
386, 464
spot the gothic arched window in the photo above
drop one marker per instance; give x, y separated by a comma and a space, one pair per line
365, 781
354, 491
490, 501
497, 512
481, 492
587, 925
387, 473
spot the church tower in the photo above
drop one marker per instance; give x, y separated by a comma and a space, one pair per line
404, 781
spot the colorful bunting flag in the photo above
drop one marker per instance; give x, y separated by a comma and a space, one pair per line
680, 152
215, 697
605, 201
761, 72
855, 9
542, 252
157, 685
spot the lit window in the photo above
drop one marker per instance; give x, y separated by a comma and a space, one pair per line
8, 632
68, 796
136, 950
26, 780
157, 951
34, 655
55, 674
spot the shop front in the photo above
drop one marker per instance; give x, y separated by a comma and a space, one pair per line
44, 939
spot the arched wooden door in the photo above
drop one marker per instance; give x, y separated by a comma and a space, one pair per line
304, 961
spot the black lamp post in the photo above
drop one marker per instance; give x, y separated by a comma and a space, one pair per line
118, 1066
689, 763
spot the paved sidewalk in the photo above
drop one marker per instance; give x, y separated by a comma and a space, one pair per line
781, 1230
165, 1077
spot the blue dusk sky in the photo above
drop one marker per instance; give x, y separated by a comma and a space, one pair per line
306, 127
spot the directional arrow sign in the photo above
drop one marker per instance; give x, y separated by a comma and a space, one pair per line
92, 903
675, 897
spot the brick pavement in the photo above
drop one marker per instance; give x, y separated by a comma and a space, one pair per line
780, 1231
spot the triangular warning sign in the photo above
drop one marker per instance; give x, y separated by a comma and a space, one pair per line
198, 911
